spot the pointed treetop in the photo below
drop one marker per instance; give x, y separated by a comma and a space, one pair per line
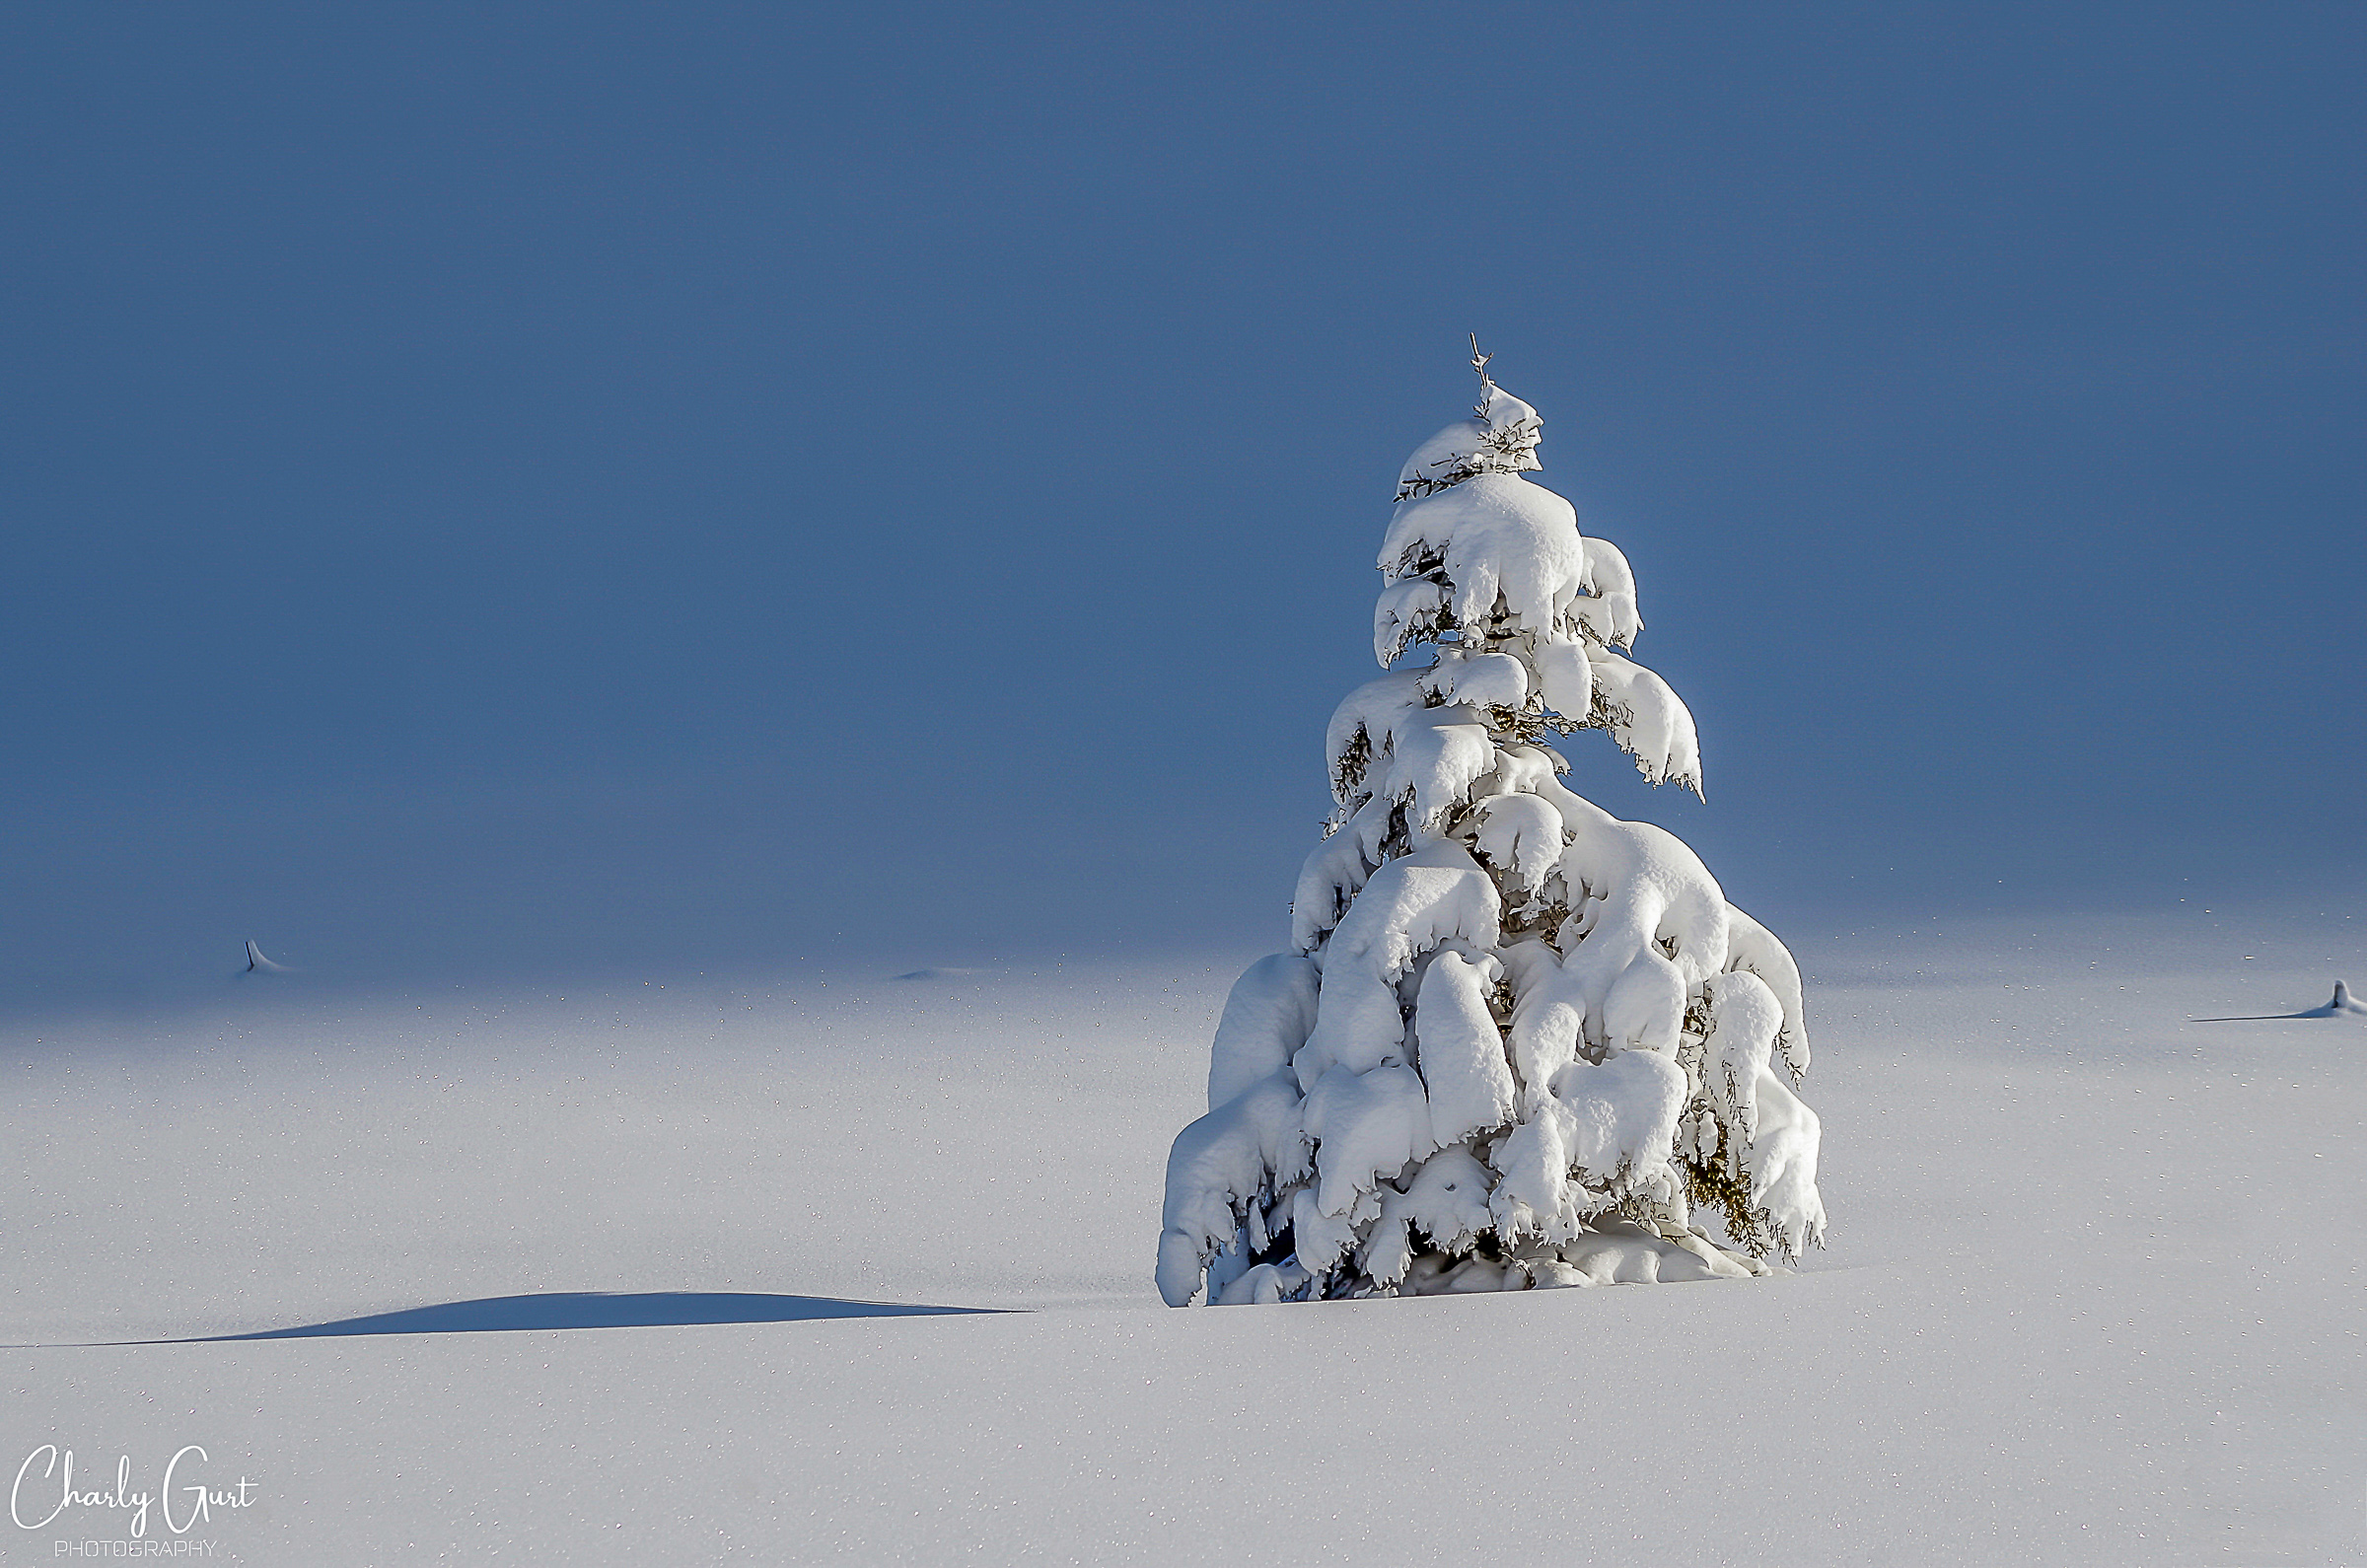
1500, 437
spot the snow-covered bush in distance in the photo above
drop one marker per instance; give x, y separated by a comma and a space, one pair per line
1519, 1039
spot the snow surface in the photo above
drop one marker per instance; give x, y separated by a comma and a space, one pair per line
2092, 1293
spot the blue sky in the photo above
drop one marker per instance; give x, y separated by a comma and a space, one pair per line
504, 488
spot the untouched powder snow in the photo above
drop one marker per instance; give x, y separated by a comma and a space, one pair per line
2096, 1299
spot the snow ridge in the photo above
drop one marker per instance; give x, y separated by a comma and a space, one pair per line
1518, 1038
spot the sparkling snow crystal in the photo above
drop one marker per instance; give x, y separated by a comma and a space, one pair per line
1520, 1040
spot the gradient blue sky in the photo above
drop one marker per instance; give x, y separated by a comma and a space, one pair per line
504, 488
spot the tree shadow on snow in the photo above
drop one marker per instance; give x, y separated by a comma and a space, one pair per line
600, 1310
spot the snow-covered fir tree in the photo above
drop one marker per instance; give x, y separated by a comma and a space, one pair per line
1520, 1041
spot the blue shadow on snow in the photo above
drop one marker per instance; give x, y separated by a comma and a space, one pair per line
603, 1309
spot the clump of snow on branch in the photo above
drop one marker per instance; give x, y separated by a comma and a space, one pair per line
1519, 1041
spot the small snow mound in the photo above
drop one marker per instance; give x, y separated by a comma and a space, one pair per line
939, 972
1628, 1254
256, 964
2343, 1005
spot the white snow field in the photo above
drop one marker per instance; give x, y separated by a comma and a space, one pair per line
2092, 1293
